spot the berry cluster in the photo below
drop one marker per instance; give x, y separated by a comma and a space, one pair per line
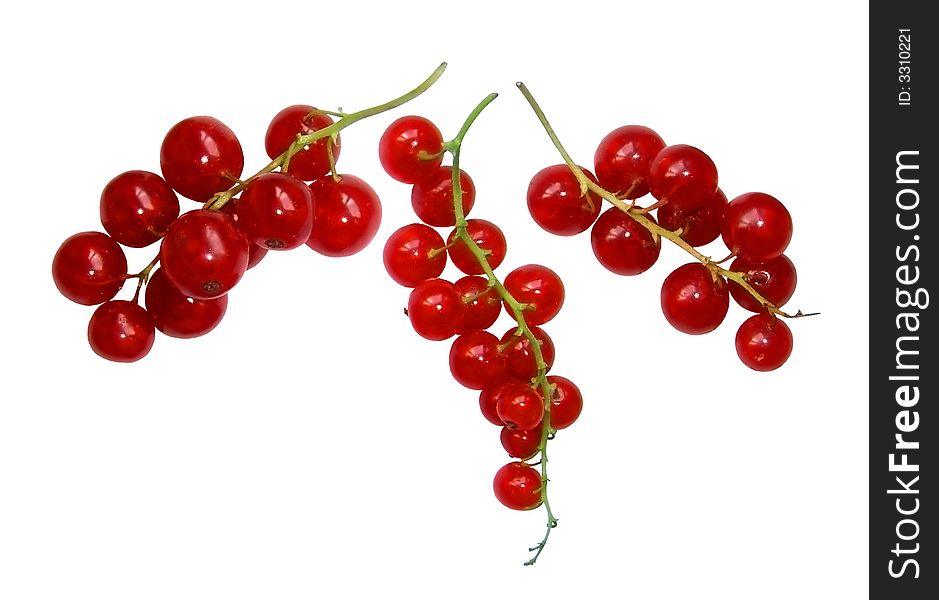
510, 371
689, 209
297, 199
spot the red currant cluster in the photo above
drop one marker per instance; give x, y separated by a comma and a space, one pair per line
510, 371
298, 198
632, 162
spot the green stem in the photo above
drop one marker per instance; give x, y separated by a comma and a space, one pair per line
517, 309
220, 199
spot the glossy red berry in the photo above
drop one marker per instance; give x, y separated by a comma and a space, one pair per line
623, 159
137, 207
487, 236
520, 443
475, 361
481, 302
276, 212
435, 308
204, 254
764, 342
519, 356
488, 397
520, 407
432, 197
178, 315
201, 156
311, 162
518, 486
622, 245
121, 331
540, 289
698, 227
411, 149
566, 402
556, 204
255, 252
346, 215
693, 300
414, 253
683, 176
774, 279
756, 226
89, 268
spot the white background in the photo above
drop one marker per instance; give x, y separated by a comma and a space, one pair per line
313, 444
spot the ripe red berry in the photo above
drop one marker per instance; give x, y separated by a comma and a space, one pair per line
683, 176
698, 227
481, 302
566, 402
178, 315
346, 215
488, 397
693, 300
401, 148
520, 443
311, 162
137, 207
475, 361
539, 288
774, 279
487, 236
556, 204
622, 245
89, 268
204, 254
201, 156
414, 253
756, 226
432, 197
764, 342
276, 212
623, 159
518, 486
255, 252
520, 407
519, 356
435, 308
121, 331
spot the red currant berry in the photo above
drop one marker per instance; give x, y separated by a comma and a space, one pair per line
623, 158
89, 268
539, 289
764, 342
414, 253
622, 245
774, 279
566, 402
255, 252
201, 156
312, 161
698, 227
518, 486
556, 204
519, 357
178, 315
411, 149
756, 226
520, 407
137, 207
481, 303
435, 308
432, 197
346, 215
276, 212
204, 254
519, 443
488, 397
693, 300
487, 236
683, 176
475, 361
121, 331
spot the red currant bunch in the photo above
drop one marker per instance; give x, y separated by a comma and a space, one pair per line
686, 207
510, 371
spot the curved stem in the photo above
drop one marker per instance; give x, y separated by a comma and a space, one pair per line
639, 215
517, 309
